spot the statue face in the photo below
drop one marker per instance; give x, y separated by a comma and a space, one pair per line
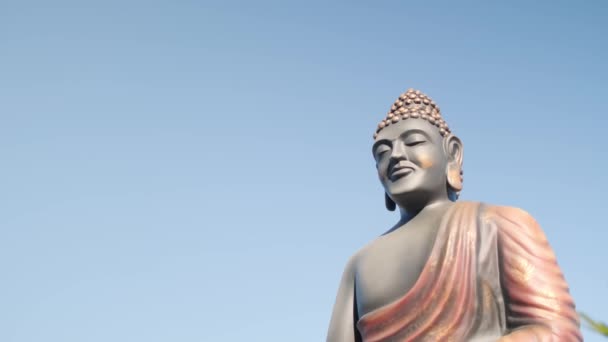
411, 161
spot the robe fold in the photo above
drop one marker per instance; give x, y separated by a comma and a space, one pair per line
491, 271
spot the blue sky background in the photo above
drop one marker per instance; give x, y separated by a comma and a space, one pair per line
201, 171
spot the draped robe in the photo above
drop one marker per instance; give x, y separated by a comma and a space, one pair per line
490, 272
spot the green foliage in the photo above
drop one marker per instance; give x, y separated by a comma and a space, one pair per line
600, 327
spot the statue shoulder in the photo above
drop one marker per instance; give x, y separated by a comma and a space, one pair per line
512, 220
353, 260
491, 210
369, 248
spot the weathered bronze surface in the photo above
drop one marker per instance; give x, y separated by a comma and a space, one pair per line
448, 270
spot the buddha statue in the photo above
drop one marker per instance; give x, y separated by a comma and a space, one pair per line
448, 270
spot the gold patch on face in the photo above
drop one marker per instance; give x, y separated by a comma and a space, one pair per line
425, 161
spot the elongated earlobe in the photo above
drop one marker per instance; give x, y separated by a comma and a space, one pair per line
454, 176
454, 151
390, 204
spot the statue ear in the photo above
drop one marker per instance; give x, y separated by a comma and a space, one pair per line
454, 151
390, 204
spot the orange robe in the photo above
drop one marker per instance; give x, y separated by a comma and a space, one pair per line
491, 272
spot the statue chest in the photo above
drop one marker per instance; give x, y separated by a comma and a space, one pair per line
391, 265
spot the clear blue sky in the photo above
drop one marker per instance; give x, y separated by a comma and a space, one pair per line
191, 171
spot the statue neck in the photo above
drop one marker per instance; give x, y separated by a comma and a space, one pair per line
408, 213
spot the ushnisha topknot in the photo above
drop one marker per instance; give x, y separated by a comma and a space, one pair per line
414, 104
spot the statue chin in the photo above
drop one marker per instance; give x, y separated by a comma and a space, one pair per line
413, 199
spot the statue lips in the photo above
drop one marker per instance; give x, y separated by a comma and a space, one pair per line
401, 169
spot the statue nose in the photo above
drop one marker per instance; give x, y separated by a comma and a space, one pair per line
399, 151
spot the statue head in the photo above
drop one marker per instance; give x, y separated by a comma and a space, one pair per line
419, 160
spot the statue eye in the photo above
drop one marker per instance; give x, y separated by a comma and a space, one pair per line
415, 139
414, 143
381, 149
